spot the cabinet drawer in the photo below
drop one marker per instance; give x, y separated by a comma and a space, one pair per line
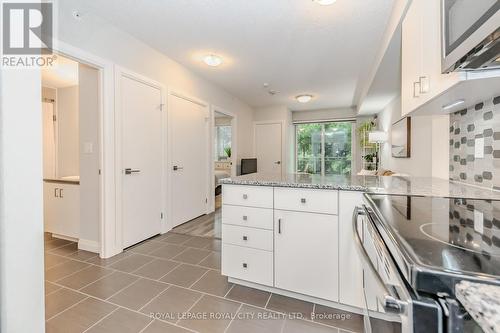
248, 216
306, 200
249, 237
247, 264
253, 196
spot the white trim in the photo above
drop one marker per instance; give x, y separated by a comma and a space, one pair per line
88, 245
284, 164
107, 222
234, 149
119, 167
169, 163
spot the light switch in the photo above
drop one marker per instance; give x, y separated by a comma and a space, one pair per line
478, 221
88, 148
479, 148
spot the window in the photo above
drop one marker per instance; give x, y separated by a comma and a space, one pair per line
222, 142
324, 148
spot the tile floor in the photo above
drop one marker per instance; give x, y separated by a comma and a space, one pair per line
171, 283
209, 225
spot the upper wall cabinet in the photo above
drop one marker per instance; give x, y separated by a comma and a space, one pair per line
424, 89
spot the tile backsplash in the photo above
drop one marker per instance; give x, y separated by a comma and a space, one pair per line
481, 121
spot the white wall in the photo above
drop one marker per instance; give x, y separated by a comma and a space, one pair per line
429, 144
96, 36
88, 110
68, 138
324, 114
21, 197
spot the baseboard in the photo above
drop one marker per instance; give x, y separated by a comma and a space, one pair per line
88, 245
68, 238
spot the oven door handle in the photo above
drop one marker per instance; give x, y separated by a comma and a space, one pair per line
391, 301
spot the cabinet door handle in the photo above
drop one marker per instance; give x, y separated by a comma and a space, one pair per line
279, 226
61, 193
245, 196
245, 238
245, 218
416, 89
55, 192
424, 84
245, 265
303, 200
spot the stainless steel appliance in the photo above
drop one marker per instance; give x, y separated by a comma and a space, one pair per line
470, 34
416, 249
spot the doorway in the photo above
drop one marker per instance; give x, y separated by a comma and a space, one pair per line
269, 147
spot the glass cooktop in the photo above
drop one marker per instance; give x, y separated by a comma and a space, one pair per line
455, 237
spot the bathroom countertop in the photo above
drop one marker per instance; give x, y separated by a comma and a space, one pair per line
482, 301
396, 185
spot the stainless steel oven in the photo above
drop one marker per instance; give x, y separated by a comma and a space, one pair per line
470, 34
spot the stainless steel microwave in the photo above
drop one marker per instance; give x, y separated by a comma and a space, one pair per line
470, 34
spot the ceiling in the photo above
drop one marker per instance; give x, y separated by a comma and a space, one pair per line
296, 46
63, 74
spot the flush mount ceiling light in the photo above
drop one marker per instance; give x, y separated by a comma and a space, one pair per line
212, 60
325, 2
303, 98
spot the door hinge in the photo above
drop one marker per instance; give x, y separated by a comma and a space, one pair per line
54, 118
206, 200
161, 216
161, 106
99, 171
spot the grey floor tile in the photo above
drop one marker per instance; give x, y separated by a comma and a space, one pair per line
213, 283
192, 256
50, 287
65, 250
174, 238
121, 321
108, 261
83, 255
212, 261
52, 260
338, 318
79, 317
168, 251
170, 304
197, 242
300, 326
84, 277
290, 305
138, 294
109, 285
60, 271
214, 245
162, 327
249, 295
131, 263
212, 307
156, 268
61, 300
184, 275
251, 319
146, 247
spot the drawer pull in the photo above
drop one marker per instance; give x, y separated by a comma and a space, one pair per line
279, 226
245, 196
245, 238
245, 265
245, 218
303, 200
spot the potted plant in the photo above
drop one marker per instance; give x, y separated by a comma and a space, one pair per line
227, 150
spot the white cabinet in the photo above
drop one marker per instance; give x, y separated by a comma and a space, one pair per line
421, 77
306, 253
62, 209
247, 264
306, 200
249, 196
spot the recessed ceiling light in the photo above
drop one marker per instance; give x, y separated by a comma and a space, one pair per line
325, 2
303, 98
212, 60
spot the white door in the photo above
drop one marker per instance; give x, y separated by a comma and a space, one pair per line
49, 141
305, 257
189, 168
142, 160
268, 147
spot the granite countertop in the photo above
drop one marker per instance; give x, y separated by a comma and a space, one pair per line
397, 185
482, 301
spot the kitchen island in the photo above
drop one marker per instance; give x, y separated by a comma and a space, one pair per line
293, 234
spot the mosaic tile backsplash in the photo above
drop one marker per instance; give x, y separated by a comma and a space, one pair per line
479, 121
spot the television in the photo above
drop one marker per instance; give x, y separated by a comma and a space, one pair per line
248, 165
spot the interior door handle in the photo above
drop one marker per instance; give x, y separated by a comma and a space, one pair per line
61, 193
175, 168
129, 171
55, 192
277, 162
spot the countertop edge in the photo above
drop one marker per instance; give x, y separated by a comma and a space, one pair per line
482, 302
